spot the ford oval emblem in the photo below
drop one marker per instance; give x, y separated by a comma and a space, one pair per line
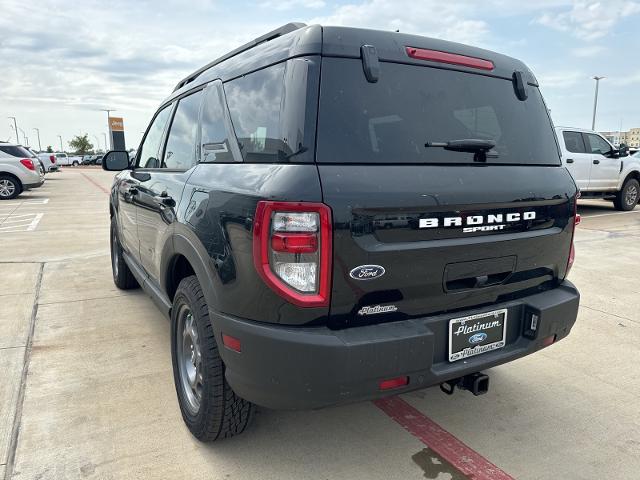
367, 272
477, 338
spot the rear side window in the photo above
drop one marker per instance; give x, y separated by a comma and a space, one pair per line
15, 151
573, 142
390, 121
214, 139
180, 153
255, 106
598, 144
149, 156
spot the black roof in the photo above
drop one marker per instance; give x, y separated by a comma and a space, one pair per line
296, 39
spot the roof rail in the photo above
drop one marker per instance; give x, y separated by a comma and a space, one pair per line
278, 32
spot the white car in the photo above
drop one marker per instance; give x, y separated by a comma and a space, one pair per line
599, 169
19, 171
64, 159
49, 161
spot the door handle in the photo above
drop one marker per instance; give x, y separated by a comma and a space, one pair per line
133, 191
165, 200
596, 162
569, 160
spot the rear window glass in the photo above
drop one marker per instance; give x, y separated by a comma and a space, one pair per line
391, 120
16, 151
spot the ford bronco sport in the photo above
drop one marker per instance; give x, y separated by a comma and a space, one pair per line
331, 215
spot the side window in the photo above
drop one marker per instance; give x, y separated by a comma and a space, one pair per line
598, 144
214, 141
180, 153
573, 142
151, 146
255, 103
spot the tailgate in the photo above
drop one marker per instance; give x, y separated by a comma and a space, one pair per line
412, 240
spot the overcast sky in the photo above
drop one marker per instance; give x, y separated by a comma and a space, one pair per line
62, 61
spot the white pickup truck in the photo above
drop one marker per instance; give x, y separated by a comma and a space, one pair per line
599, 169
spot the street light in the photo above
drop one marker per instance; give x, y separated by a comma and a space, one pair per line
108, 122
61, 147
15, 127
595, 102
105, 142
39, 144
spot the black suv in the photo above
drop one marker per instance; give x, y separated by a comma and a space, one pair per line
332, 214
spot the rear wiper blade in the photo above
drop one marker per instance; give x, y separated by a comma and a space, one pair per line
469, 145
479, 148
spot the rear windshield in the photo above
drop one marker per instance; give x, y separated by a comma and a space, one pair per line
391, 120
15, 151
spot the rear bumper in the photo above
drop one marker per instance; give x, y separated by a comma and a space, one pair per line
29, 186
295, 368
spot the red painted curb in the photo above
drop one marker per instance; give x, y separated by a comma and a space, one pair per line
94, 182
467, 461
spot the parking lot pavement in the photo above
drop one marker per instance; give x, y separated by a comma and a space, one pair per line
97, 399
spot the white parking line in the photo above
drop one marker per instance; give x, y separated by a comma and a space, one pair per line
20, 223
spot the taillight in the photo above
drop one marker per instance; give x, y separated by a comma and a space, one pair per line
53, 159
27, 162
576, 221
450, 58
292, 250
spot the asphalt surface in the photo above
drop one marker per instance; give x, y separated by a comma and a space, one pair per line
87, 388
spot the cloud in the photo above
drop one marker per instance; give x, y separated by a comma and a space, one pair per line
448, 20
589, 20
588, 51
284, 5
561, 79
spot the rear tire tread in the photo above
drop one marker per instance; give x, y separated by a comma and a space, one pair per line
224, 413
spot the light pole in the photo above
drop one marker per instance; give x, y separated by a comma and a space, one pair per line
595, 102
108, 123
105, 142
97, 143
39, 144
15, 127
61, 147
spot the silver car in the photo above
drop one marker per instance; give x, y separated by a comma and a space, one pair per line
19, 171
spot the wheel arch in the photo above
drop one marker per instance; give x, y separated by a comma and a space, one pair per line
14, 177
188, 257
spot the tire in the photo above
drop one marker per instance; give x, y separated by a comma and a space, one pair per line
75, 164
627, 198
122, 276
210, 408
10, 187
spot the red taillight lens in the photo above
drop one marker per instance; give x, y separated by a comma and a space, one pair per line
292, 250
52, 158
294, 242
450, 58
394, 383
27, 162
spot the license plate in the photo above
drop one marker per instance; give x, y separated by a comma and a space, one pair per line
476, 334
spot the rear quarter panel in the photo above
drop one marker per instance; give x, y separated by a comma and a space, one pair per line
215, 217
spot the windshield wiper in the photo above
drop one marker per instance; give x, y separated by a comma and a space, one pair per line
480, 148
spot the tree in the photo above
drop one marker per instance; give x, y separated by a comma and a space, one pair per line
81, 144
49, 149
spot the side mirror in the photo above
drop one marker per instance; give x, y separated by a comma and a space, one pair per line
116, 161
623, 151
